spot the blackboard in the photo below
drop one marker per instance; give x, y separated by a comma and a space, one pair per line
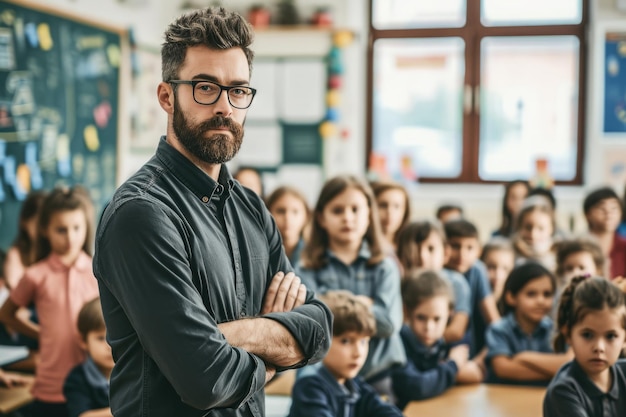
59, 100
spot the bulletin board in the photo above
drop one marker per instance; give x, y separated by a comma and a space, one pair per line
59, 101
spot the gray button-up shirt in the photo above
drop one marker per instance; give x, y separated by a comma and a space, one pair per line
176, 254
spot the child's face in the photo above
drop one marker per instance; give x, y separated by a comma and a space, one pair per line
429, 320
449, 215
533, 301
499, 264
515, 198
290, 215
391, 205
346, 355
99, 350
464, 252
66, 232
346, 217
597, 341
536, 230
605, 216
430, 253
250, 179
579, 263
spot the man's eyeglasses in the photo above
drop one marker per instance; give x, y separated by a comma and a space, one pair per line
208, 92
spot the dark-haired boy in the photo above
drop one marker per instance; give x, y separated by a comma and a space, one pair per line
464, 252
334, 389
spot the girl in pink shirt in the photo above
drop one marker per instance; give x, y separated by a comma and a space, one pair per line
59, 284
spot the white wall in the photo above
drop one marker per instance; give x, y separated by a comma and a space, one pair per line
149, 18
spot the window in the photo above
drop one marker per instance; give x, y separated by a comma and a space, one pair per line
477, 90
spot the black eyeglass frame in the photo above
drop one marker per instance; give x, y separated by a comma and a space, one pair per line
193, 84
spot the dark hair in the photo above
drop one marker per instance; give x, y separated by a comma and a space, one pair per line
421, 285
568, 247
349, 313
314, 252
284, 190
65, 199
580, 297
596, 196
460, 228
448, 207
28, 211
545, 193
380, 187
214, 27
506, 227
517, 280
90, 318
3, 258
415, 233
495, 244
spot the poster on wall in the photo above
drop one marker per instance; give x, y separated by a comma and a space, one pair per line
615, 83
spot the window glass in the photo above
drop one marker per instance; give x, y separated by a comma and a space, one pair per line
530, 12
528, 106
417, 105
398, 14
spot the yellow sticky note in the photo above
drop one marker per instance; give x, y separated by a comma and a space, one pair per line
45, 38
114, 54
91, 138
22, 177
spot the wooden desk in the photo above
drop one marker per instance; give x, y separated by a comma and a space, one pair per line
282, 384
13, 398
482, 400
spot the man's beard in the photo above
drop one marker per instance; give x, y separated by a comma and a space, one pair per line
215, 149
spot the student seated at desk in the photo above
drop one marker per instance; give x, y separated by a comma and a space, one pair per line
592, 317
519, 344
86, 387
334, 390
432, 366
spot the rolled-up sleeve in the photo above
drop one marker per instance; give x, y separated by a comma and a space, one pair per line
147, 288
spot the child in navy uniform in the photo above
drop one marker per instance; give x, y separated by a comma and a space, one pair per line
335, 390
432, 366
592, 319
86, 387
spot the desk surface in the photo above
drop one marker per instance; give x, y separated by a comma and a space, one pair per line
482, 400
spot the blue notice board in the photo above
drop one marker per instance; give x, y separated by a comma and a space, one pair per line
615, 83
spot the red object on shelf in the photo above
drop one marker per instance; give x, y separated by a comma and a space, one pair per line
322, 18
259, 17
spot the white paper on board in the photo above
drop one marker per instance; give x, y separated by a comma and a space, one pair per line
262, 146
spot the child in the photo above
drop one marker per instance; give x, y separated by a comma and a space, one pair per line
422, 245
592, 317
86, 387
291, 213
250, 178
499, 258
464, 249
519, 344
393, 208
514, 194
432, 366
534, 233
59, 284
575, 257
345, 252
22, 253
603, 211
447, 212
335, 389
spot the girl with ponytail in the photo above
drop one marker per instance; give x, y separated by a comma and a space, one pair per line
592, 321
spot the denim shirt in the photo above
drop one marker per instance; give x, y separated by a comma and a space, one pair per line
321, 395
178, 253
572, 394
380, 282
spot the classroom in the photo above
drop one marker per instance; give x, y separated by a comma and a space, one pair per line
431, 109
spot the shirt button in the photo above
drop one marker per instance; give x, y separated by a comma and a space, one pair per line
243, 313
205, 199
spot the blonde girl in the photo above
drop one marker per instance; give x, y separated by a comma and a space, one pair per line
534, 233
59, 284
291, 213
394, 210
345, 252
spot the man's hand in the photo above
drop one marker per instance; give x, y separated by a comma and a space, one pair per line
285, 293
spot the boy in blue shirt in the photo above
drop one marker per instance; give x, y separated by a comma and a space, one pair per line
334, 390
86, 387
464, 253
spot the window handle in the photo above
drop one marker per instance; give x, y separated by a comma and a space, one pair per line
477, 99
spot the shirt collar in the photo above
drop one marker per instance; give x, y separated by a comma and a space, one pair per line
544, 326
364, 252
198, 181
350, 389
415, 345
590, 387
94, 377
82, 263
